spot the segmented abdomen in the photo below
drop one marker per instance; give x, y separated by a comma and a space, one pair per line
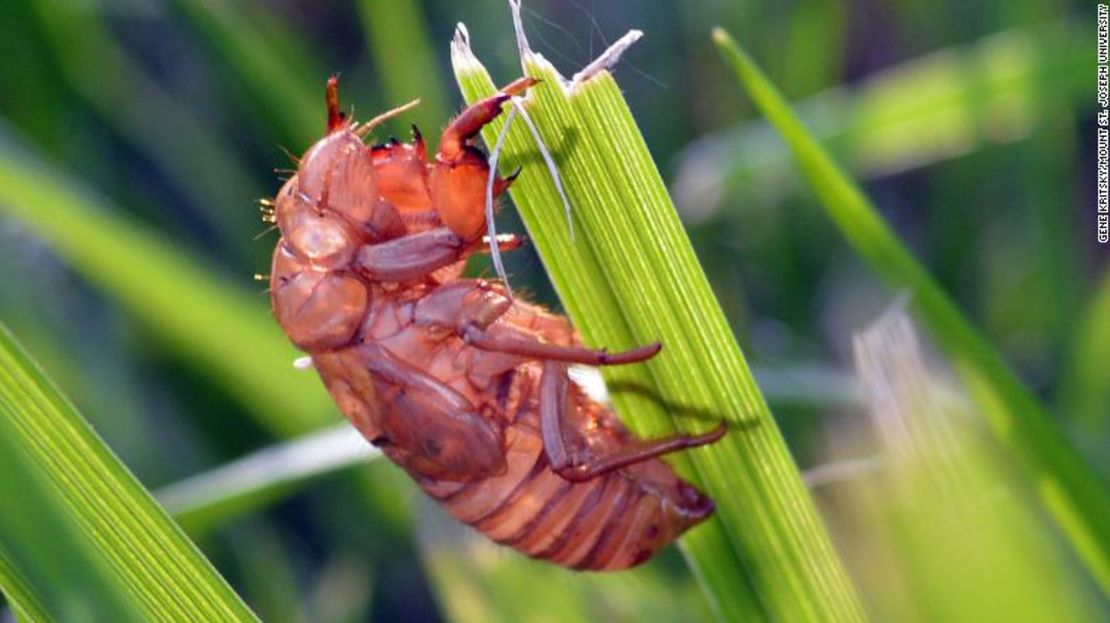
611, 522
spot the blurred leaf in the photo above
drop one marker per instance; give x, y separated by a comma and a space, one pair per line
268, 560
1085, 395
631, 278
91, 544
219, 327
939, 106
196, 159
941, 494
1069, 489
400, 47
259, 478
275, 69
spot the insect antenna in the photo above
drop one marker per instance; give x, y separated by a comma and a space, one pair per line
336, 118
363, 130
289, 154
264, 232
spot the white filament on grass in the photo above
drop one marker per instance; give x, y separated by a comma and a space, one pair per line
548, 160
495, 154
491, 228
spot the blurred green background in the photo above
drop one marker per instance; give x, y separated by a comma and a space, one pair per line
970, 125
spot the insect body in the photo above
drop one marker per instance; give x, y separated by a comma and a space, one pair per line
463, 387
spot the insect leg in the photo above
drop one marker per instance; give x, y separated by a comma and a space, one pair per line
554, 406
473, 307
552, 328
500, 185
382, 361
526, 346
416, 255
452, 143
411, 257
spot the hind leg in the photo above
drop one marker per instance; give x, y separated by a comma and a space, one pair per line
578, 464
552, 328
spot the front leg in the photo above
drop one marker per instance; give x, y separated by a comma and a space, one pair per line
453, 142
417, 255
458, 179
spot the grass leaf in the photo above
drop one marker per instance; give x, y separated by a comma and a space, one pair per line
262, 477
1086, 392
946, 104
219, 327
195, 158
936, 498
399, 44
279, 72
1069, 489
130, 561
631, 278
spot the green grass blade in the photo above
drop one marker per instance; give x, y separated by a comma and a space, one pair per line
1070, 490
217, 326
195, 159
47, 569
1085, 396
630, 278
946, 104
935, 499
277, 70
142, 551
260, 478
405, 61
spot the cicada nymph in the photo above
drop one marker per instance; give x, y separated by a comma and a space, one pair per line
458, 383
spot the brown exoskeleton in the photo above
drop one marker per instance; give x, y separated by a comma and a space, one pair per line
460, 385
